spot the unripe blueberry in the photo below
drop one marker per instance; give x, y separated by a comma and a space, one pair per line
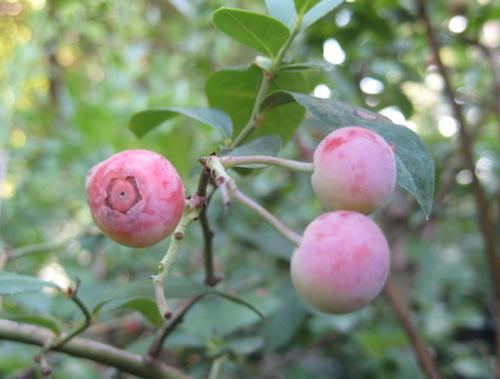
136, 197
342, 262
354, 169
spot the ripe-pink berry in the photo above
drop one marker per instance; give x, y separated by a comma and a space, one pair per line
136, 197
354, 169
342, 262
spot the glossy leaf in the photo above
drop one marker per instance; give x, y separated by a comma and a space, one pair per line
145, 306
12, 283
234, 91
318, 11
145, 121
414, 162
259, 31
283, 10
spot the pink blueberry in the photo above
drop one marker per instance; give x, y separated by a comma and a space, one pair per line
136, 197
342, 262
354, 169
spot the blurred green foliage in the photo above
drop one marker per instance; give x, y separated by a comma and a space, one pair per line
72, 73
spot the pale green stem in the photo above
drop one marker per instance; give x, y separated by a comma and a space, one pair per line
216, 365
228, 186
279, 225
267, 79
189, 215
253, 121
305, 167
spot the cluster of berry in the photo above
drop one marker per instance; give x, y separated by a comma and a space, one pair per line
343, 260
136, 197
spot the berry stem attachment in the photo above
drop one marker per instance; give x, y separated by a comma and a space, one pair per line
192, 211
229, 189
230, 161
279, 225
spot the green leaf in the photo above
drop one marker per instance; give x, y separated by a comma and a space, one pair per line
285, 321
145, 121
180, 288
268, 145
37, 320
240, 301
302, 6
261, 32
234, 91
304, 66
245, 345
175, 288
217, 317
414, 162
318, 11
283, 10
145, 306
12, 283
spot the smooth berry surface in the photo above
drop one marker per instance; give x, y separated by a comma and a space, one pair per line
354, 169
136, 197
342, 262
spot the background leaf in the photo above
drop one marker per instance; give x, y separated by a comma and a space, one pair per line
268, 145
263, 33
240, 301
37, 320
12, 283
175, 288
285, 321
145, 121
415, 166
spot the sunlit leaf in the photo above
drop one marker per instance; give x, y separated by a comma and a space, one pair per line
234, 91
145, 121
283, 10
318, 11
263, 33
12, 283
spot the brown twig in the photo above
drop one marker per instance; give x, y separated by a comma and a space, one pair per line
491, 60
96, 351
208, 256
155, 348
423, 355
485, 224
210, 278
